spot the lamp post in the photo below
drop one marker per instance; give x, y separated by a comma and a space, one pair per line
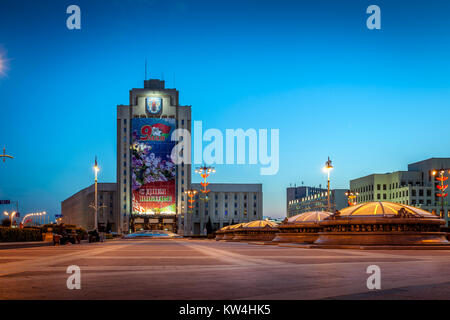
4, 155
191, 193
441, 187
10, 216
351, 195
204, 172
327, 168
96, 170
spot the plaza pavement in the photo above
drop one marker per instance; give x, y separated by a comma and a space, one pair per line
206, 269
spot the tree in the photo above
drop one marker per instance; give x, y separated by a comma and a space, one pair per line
209, 226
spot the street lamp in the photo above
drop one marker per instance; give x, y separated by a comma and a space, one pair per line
204, 172
10, 216
4, 155
351, 195
441, 187
191, 193
96, 170
327, 168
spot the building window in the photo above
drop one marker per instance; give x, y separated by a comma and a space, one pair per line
384, 196
378, 196
378, 186
384, 187
421, 193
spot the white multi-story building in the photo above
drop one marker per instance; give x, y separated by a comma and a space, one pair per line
227, 204
415, 187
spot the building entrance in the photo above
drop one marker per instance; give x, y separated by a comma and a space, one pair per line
155, 222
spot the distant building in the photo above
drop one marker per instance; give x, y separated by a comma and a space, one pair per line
415, 187
228, 204
318, 201
296, 193
76, 209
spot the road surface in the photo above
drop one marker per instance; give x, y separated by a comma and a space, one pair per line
206, 269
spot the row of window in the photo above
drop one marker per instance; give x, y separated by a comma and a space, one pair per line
216, 212
390, 186
226, 205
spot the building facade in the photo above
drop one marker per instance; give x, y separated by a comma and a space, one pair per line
227, 204
415, 187
296, 193
77, 208
159, 108
318, 201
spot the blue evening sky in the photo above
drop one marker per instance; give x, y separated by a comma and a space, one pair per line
372, 100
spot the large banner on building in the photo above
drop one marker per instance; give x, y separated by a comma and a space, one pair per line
153, 172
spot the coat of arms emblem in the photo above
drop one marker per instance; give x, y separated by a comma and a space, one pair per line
154, 105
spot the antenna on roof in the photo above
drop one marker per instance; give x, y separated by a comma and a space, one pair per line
145, 76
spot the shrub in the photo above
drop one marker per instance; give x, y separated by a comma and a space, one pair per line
18, 235
6, 222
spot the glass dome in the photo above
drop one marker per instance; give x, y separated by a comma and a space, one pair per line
309, 217
384, 209
260, 224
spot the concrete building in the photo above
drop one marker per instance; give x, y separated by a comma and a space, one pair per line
296, 193
76, 209
415, 187
228, 204
318, 201
143, 198
137, 108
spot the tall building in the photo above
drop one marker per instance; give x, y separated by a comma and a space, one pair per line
150, 188
228, 204
148, 182
318, 201
415, 187
77, 208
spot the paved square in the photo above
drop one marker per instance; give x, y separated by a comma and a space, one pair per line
207, 269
